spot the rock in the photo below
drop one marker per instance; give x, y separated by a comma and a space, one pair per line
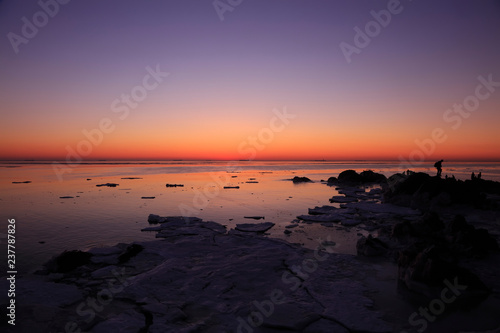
254, 217
328, 243
371, 247
24, 182
148, 197
342, 199
108, 185
350, 222
131, 178
231, 187
128, 322
130, 251
468, 240
287, 232
154, 219
254, 227
174, 185
67, 197
349, 176
68, 261
321, 218
368, 176
298, 179
323, 210
332, 180
382, 208
426, 271
203, 279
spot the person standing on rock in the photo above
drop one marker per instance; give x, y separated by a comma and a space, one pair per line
439, 166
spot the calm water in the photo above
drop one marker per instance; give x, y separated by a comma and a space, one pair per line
47, 225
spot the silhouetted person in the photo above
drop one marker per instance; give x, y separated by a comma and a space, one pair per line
472, 176
439, 166
479, 176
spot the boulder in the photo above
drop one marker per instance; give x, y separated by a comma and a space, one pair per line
349, 176
68, 261
371, 247
298, 179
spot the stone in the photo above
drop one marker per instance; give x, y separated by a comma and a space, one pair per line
254, 227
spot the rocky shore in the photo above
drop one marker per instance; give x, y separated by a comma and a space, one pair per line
442, 234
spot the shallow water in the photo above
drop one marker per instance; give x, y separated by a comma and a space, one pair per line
96, 216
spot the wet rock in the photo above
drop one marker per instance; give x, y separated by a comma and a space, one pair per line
332, 180
323, 210
298, 179
254, 227
154, 219
108, 185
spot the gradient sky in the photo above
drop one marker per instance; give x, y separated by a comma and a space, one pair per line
226, 77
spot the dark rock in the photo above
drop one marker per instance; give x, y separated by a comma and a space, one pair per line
67, 197
231, 187
349, 176
68, 261
130, 251
368, 176
131, 178
174, 185
467, 240
254, 227
332, 180
25, 182
371, 247
419, 190
427, 271
428, 225
108, 185
148, 197
298, 179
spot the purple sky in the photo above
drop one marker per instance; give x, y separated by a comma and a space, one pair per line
230, 74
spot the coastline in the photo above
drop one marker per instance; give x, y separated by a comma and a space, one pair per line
201, 276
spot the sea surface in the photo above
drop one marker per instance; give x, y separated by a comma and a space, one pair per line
47, 224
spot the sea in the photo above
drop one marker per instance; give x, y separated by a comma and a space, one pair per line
58, 206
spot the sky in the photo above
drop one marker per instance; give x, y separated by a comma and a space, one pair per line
241, 79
